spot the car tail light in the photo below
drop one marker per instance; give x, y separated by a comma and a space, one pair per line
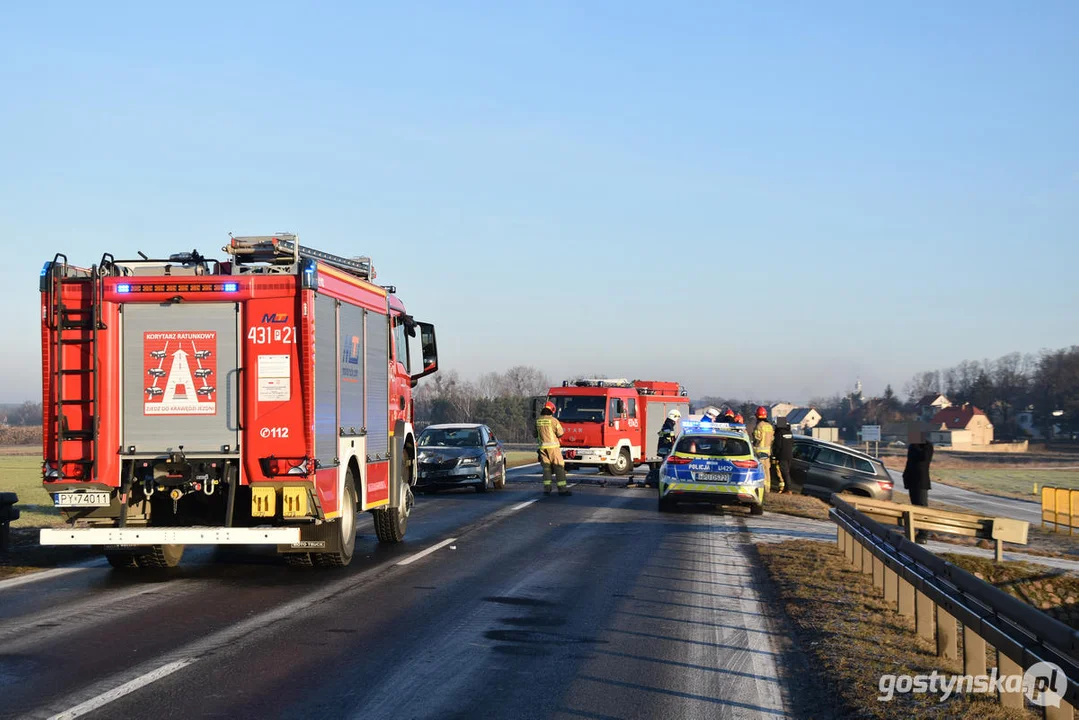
885, 484
750, 464
678, 461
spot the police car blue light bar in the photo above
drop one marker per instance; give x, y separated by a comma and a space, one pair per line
706, 426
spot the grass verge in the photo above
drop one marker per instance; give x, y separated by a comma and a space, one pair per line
799, 505
852, 638
516, 458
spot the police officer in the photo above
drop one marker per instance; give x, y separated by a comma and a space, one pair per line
782, 453
548, 430
711, 414
763, 435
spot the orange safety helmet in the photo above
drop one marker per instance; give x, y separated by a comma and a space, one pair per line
762, 412
739, 419
549, 406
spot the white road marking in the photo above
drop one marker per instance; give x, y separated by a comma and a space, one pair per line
127, 688
523, 505
424, 553
45, 575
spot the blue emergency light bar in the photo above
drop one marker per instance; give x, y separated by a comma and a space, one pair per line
703, 426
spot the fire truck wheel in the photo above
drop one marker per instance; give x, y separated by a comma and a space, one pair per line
122, 560
161, 556
391, 523
346, 527
298, 560
485, 481
623, 465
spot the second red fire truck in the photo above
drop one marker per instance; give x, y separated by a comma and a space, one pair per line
265, 399
614, 424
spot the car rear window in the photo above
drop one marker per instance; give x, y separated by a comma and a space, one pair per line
862, 465
713, 446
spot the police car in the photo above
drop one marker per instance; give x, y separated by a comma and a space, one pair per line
712, 463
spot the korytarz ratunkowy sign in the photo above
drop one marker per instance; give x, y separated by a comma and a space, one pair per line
180, 372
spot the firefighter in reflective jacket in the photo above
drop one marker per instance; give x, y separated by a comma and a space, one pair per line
667, 433
763, 435
548, 430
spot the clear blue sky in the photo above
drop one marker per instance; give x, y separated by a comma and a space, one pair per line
578, 186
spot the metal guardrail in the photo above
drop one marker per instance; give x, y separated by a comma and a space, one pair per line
941, 597
1060, 506
914, 518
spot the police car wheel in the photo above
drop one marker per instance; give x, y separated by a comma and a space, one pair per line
756, 509
667, 505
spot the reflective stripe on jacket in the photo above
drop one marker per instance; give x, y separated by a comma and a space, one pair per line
548, 430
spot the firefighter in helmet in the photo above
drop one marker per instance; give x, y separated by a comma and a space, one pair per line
728, 415
668, 432
548, 430
739, 419
763, 435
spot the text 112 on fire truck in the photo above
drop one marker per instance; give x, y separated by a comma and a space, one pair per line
265, 399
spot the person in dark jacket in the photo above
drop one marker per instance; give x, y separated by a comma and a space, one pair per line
916, 475
782, 453
916, 472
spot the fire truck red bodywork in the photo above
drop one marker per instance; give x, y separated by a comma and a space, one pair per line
614, 424
249, 396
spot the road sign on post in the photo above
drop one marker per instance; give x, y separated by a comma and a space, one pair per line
871, 433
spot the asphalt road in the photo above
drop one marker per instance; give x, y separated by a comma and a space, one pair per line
505, 604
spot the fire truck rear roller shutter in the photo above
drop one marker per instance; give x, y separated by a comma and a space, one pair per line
378, 386
351, 350
325, 380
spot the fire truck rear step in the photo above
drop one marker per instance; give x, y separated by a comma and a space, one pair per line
171, 536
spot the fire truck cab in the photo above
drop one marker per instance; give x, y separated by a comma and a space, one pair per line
612, 423
264, 399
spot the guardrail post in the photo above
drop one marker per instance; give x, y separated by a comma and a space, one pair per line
947, 635
878, 573
1064, 711
867, 561
1000, 550
850, 550
973, 652
923, 615
1006, 666
906, 598
908, 523
891, 587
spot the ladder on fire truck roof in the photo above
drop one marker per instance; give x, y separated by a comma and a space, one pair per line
283, 251
74, 389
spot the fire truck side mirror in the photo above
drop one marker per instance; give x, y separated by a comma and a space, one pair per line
428, 351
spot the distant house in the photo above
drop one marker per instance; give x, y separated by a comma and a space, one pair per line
961, 425
781, 410
930, 405
803, 419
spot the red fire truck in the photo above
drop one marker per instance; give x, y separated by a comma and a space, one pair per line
263, 399
614, 424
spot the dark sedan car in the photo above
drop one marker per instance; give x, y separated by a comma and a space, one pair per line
821, 468
460, 455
